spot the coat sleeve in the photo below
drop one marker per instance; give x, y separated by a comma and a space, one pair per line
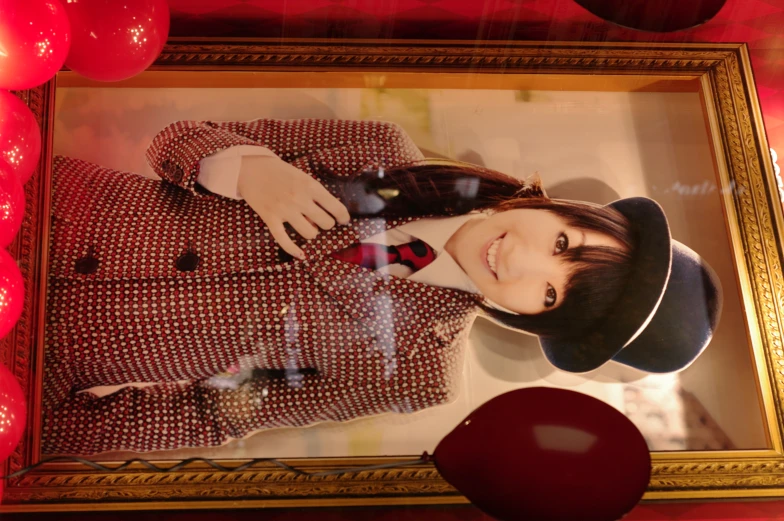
176, 151
174, 415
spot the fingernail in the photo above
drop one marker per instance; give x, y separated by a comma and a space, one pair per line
301, 255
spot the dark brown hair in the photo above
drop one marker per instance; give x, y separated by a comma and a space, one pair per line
434, 188
596, 277
426, 188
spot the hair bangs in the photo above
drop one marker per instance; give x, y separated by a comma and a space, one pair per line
597, 276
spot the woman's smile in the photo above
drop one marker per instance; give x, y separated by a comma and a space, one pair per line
491, 254
515, 258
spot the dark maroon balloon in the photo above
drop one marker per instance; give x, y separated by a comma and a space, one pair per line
547, 454
655, 15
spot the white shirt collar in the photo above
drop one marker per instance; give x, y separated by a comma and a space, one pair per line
444, 270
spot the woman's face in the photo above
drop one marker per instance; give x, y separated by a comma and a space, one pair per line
515, 257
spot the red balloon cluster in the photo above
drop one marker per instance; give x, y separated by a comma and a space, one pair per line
20, 136
20, 149
13, 414
104, 40
35, 36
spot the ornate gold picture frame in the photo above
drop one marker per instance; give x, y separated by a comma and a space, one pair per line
720, 75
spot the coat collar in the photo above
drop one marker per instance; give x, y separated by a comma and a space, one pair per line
371, 296
341, 237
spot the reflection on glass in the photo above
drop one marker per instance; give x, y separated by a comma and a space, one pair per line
563, 439
339, 335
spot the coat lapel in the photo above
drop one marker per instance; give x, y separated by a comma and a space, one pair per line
341, 237
374, 297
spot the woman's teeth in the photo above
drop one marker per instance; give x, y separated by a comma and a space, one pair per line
491, 253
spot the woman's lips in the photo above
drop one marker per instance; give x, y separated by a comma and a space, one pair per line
486, 255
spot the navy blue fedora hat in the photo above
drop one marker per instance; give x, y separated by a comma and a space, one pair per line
664, 317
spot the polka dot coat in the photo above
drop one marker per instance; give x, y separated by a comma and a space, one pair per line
164, 282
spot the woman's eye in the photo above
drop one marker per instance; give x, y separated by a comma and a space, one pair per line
550, 296
561, 244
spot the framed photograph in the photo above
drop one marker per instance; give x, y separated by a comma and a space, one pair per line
201, 252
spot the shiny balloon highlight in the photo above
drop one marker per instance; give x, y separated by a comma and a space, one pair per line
11, 293
116, 39
35, 37
547, 454
13, 414
20, 136
12, 205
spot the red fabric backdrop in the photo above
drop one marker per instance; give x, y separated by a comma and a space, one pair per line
760, 23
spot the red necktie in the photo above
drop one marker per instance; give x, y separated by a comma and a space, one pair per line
416, 255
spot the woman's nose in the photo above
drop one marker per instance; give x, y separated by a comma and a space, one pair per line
522, 261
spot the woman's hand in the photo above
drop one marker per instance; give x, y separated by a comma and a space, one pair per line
281, 193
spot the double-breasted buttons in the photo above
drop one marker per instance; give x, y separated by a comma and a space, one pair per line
188, 261
142, 289
87, 264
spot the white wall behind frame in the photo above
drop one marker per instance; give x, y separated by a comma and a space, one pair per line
651, 144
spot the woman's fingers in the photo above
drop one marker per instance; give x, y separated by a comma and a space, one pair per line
305, 210
318, 217
303, 227
331, 204
278, 231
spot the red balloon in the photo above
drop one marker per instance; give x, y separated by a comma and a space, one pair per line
12, 205
11, 293
34, 40
20, 136
13, 413
116, 39
547, 454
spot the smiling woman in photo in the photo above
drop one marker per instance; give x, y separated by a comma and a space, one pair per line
288, 272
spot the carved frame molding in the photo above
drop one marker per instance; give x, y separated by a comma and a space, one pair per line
740, 145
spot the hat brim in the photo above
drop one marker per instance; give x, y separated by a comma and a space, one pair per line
689, 313
638, 302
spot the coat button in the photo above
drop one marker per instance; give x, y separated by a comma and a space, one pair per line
177, 174
188, 261
87, 264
